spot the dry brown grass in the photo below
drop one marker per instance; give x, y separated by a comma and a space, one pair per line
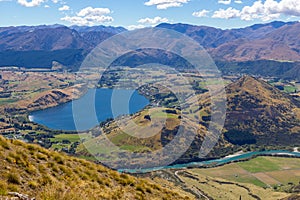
48, 175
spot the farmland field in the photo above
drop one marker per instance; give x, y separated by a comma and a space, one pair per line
260, 171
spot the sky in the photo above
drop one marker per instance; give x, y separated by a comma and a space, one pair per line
133, 14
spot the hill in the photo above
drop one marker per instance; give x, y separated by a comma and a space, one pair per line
34, 171
258, 115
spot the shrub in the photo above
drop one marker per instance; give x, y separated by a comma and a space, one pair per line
10, 160
42, 168
148, 190
33, 184
59, 159
66, 171
30, 169
13, 178
41, 156
4, 144
12, 188
31, 147
3, 188
140, 188
55, 169
18, 143
45, 180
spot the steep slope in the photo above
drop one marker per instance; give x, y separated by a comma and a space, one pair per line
211, 37
259, 113
39, 46
37, 172
265, 43
41, 38
94, 35
208, 37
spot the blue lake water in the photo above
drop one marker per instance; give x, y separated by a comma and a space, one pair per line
96, 106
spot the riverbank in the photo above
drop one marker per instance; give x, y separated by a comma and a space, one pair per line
235, 154
236, 157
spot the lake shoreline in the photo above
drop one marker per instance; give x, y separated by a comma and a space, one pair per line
106, 106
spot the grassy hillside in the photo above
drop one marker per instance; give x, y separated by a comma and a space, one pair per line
262, 113
258, 115
37, 172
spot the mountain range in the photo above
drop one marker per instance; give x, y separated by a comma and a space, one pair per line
39, 46
272, 41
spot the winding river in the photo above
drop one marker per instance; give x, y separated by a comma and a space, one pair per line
218, 162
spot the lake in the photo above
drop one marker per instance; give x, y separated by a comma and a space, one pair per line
96, 106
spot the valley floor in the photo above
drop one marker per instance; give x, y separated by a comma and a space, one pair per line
260, 178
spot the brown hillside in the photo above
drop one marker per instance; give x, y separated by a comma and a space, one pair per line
37, 172
256, 107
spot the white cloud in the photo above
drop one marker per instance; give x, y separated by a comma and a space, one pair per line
164, 4
264, 10
153, 21
226, 14
46, 6
133, 27
238, 1
90, 16
226, 2
55, 1
89, 11
32, 3
201, 13
64, 8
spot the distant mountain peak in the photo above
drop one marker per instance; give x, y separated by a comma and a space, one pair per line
274, 24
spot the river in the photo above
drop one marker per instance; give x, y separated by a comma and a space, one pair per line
217, 162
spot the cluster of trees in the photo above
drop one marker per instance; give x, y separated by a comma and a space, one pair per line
239, 137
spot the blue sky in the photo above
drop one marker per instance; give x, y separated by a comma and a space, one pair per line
140, 13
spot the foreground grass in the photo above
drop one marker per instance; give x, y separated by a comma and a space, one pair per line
48, 175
